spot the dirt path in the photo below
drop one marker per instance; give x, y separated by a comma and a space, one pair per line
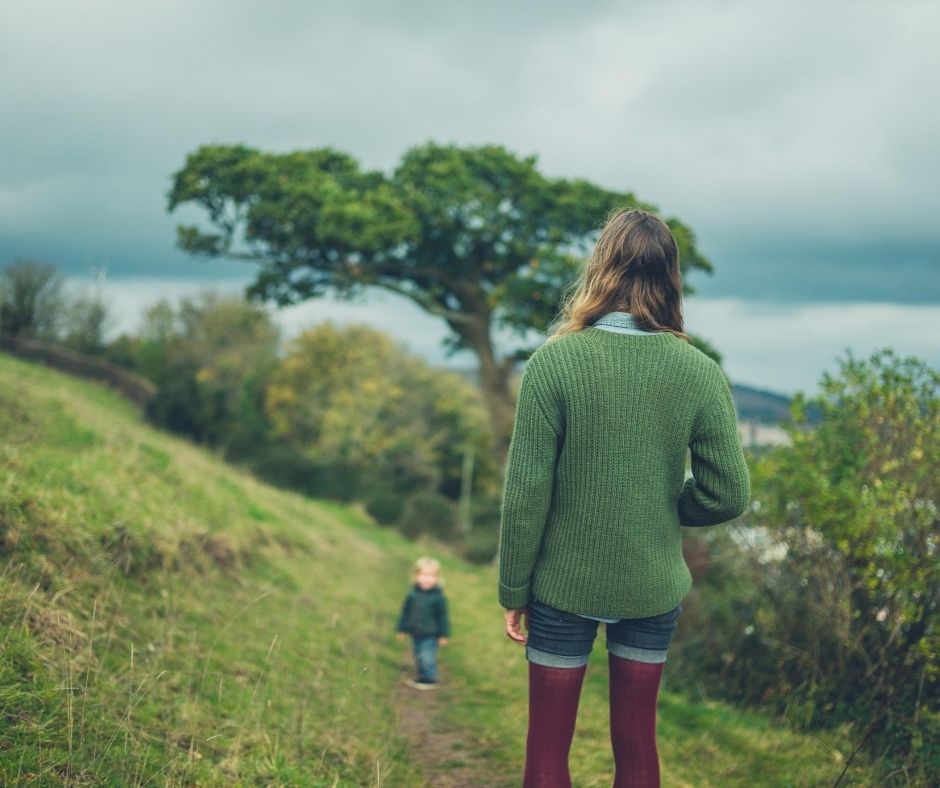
445, 755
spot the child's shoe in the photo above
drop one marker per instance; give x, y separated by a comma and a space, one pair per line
421, 685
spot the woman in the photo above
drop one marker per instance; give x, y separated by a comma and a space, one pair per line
595, 494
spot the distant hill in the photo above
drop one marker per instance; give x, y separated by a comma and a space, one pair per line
761, 406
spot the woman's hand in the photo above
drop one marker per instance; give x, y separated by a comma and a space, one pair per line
514, 624
443, 641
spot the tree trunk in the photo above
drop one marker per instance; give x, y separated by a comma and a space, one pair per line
494, 381
500, 400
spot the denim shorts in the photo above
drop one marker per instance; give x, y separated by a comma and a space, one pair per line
559, 639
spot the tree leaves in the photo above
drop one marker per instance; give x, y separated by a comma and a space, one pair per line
856, 499
474, 231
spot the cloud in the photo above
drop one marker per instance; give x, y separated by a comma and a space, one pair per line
787, 347
796, 138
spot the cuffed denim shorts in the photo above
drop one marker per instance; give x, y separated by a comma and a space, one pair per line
558, 639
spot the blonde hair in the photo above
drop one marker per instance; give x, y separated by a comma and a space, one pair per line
427, 564
635, 268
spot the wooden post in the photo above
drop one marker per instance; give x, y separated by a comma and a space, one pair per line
465, 521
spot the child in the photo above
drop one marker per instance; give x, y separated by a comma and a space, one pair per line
424, 617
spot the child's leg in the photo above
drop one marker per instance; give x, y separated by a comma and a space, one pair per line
425, 651
432, 659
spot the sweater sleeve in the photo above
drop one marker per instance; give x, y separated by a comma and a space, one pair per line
719, 489
527, 491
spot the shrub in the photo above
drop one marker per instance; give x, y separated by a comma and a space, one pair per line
385, 504
480, 545
827, 609
428, 512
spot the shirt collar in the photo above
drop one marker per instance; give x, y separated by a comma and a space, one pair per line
621, 319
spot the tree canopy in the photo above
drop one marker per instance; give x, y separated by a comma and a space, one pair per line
475, 235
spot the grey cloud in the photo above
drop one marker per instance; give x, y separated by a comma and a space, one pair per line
797, 134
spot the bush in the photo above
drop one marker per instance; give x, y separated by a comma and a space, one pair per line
385, 504
826, 610
480, 545
285, 467
428, 512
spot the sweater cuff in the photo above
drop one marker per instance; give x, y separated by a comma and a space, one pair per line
512, 598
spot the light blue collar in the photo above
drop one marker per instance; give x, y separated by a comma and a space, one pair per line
620, 323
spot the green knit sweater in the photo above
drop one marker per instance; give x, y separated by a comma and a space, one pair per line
595, 487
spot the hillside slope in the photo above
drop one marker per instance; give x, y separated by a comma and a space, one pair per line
166, 619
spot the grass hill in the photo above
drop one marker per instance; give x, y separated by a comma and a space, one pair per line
166, 619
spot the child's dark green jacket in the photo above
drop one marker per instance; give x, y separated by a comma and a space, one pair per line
424, 614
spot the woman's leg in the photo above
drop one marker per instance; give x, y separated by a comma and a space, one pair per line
638, 649
634, 689
553, 710
558, 647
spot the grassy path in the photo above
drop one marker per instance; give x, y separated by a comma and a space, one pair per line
445, 754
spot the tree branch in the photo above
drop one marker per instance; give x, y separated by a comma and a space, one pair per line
426, 303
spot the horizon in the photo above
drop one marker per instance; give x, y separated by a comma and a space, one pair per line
804, 336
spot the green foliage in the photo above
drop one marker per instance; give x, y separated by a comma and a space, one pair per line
385, 504
430, 513
210, 357
475, 235
85, 323
858, 496
463, 232
167, 620
31, 300
351, 397
828, 609
480, 546
340, 414
33, 305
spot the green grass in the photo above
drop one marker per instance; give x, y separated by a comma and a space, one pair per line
166, 619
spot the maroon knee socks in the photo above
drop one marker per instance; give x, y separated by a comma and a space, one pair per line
634, 687
553, 709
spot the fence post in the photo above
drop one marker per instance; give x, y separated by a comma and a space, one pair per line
465, 521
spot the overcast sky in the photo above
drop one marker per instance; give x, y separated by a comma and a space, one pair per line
798, 139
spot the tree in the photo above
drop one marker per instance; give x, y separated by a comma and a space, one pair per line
211, 357
477, 236
353, 400
30, 299
85, 323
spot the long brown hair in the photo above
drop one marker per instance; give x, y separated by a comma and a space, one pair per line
634, 268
